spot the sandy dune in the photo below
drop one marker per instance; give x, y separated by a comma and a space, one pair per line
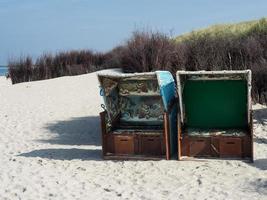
50, 149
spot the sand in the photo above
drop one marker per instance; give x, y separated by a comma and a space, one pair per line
50, 148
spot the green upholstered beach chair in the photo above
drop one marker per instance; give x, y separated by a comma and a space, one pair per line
215, 116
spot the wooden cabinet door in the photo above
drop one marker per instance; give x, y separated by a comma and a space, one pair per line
199, 146
151, 145
124, 144
230, 147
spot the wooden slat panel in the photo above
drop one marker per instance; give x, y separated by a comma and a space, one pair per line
230, 147
200, 146
167, 135
185, 146
124, 144
109, 143
215, 146
103, 131
151, 145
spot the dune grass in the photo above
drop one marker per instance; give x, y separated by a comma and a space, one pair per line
242, 29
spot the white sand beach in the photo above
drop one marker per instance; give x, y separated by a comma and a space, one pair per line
50, 148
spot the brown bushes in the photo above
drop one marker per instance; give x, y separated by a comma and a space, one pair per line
147, 52
155, 51
203, 52
48, 66
20, 70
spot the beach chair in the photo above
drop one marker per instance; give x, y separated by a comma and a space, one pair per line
139, 117
215, 115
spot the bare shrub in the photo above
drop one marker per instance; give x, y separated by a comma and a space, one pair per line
148, 51
47, 66
20, 70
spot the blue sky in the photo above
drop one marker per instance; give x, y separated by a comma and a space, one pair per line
30, 27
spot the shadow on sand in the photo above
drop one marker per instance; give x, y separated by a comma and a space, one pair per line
86, 131
260, 115
259, 186
260, 140
65, 154
76, 131
260, 164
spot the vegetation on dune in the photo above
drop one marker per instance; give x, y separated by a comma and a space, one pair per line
243, 29
223, 47
220, 47
231, 47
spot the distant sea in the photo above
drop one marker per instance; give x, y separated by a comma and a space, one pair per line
3, 70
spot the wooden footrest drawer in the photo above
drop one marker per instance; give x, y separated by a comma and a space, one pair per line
138, 145
230, 147
199, 147
124, 144
151, 145
217, 146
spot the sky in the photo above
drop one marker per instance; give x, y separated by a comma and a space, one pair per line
31, 27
